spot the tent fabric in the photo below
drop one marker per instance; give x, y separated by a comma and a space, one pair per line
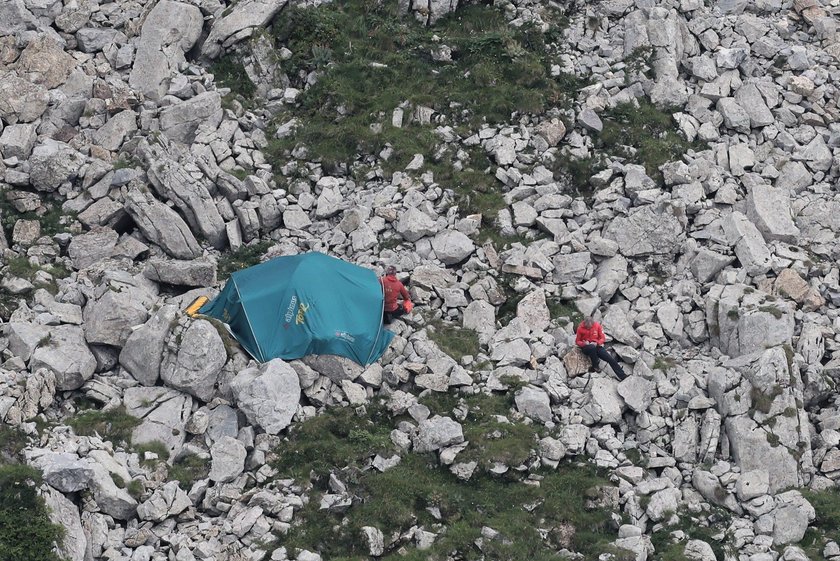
298, 305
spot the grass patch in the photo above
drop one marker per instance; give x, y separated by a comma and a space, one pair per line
12, 442
156, 447
651, 131
338, 437
664, 363
576, 174
189, 469
245, 256
695, 529
455, 341
564, 311
53, 219
371, 60
115, 425
762, 401
230, 73
26, 533
827, 507
533, 521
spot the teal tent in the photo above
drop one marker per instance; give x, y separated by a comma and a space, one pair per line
299, 305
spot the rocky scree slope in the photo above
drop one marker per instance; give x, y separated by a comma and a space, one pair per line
128, 176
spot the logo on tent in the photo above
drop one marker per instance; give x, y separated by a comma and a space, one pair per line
301, 312
290, 312
343, 335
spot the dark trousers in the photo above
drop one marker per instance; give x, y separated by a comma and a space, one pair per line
595, 353
388, 317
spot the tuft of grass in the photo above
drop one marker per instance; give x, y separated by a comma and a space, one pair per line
53, 219
733, 314
827, 507
763, 401
26, 533
338, 437
12, 442
230, 73
115, 425
651, 131
245, 256
455, 341
696, 528
371, 60
772, 310
534, 520
155, 446
189, 469
564, 311
135, 488
664, 363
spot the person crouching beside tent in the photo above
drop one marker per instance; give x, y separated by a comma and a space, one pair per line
394, 290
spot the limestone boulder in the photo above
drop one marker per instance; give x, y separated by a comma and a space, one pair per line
268, 395
193, 358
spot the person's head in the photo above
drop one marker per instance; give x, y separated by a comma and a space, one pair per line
391, 271
588, 321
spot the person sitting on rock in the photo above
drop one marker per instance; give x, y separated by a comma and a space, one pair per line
590, 338
393, 289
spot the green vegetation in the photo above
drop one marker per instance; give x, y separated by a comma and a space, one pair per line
371, 61
12, 441
565, 312
772, 310
156, 447
53, 220
230, 73
644, 135
455, 341
763, 401
245, 256
135, 488
26, 533
705, 528
189, 469
115, 425
664, 363
560, 509
827, 507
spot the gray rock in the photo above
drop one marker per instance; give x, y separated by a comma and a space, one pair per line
617, 326
52, 163
663, 503
238, 24
414, 224
610, 274
20, 100
709, 487
169, 500
752, 484
637, 392
697, 550
193, 359
646, 232
95, 39
228, 459
169, 30
734, 116
532, 309
111, 135
534, 403
604, 402
111, 499
64, 471
67, 355
452, 247
163, 414
64, 513
749, 244
752, 451
109, 319
589, 119
88, 248
161, 225
769, 209
336, 368
480, 315
17, 141
268, 395
142, 352
436, 433
571, 267
750, 99
375, 541
179, 122
198, 272
791, 517
706, 264
794, 177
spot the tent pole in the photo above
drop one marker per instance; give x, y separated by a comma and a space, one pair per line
245, 311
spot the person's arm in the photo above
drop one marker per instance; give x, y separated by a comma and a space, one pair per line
601, 338
404, 293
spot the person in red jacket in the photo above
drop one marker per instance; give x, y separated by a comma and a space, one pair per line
590, 338
394, 290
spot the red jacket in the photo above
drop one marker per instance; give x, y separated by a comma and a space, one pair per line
392, 287
594, 334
